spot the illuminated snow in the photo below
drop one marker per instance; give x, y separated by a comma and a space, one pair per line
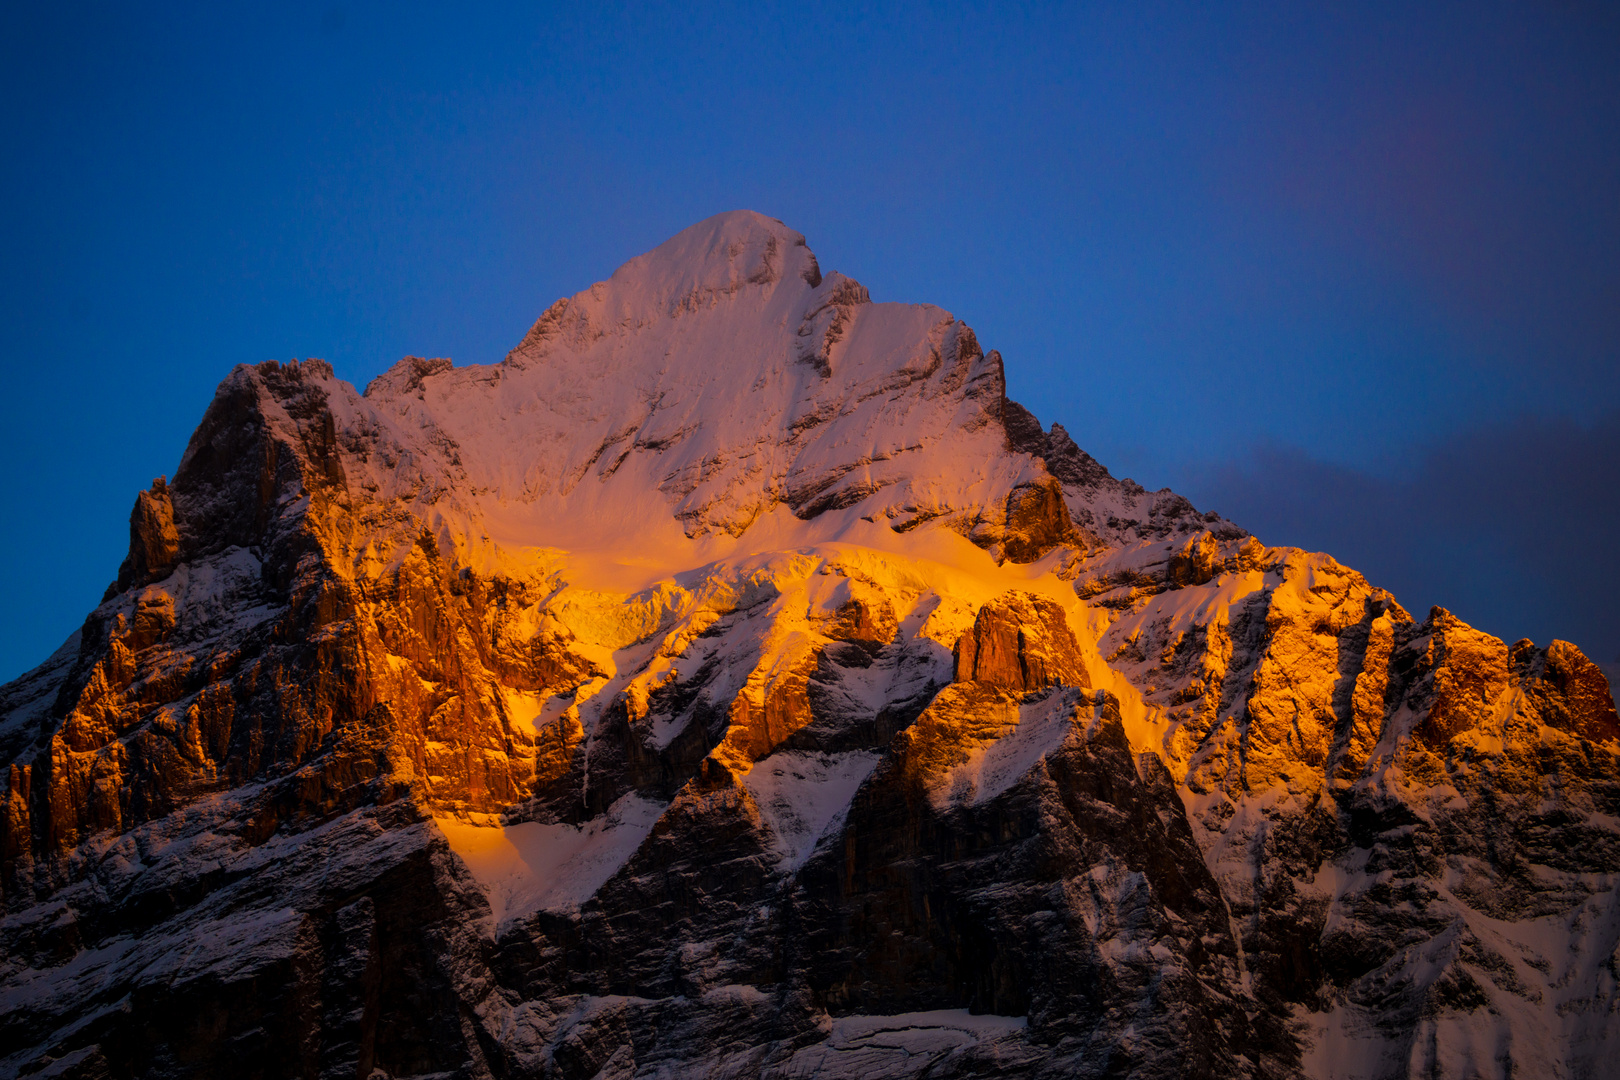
532, 867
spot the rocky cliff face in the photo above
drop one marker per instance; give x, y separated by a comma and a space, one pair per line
733, 682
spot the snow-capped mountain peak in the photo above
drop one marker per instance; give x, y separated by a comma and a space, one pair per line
733, 681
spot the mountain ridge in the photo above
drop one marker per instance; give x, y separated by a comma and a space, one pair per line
733, 681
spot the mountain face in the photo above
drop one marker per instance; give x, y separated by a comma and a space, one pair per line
734, 682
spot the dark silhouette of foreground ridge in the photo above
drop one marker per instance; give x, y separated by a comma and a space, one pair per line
733, 682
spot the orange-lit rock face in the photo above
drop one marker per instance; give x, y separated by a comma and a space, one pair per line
1576, 695
591, 707
963, 718
1470, 673
1368, 698
154, 543
1021, 643
1197, 561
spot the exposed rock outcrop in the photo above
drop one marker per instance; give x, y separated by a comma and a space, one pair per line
154, 543
1021, 643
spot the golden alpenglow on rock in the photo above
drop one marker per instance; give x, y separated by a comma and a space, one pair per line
734, 682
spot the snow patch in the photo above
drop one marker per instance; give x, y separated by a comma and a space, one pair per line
532, 867
803, 796
525, 708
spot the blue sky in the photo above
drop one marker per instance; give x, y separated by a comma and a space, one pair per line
1350, 277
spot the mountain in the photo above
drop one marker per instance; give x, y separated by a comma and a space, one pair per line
734, 682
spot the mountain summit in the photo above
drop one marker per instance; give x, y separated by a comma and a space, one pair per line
733, 682
722, 378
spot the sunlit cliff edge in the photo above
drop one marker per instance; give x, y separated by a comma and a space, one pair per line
734, 682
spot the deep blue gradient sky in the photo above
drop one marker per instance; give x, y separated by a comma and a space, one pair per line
1351, 278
